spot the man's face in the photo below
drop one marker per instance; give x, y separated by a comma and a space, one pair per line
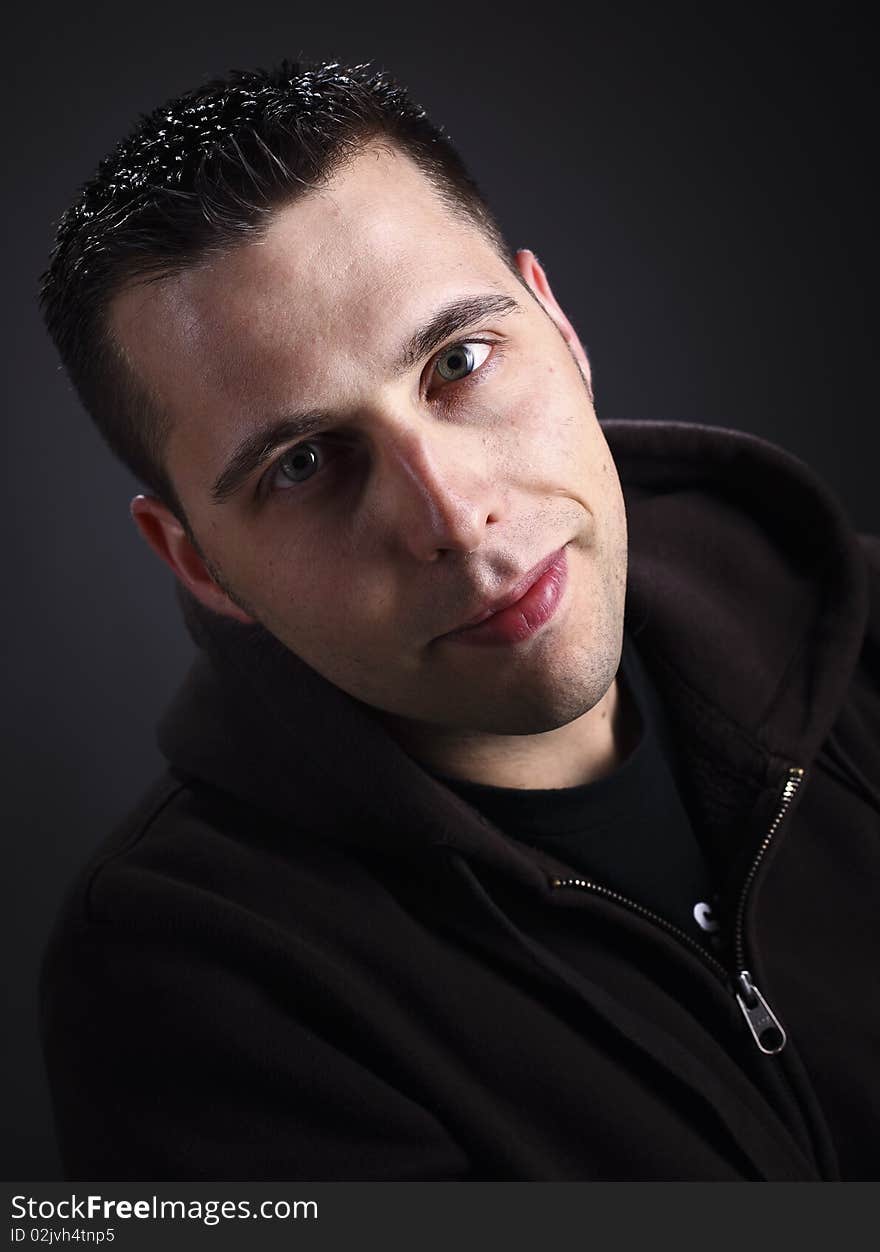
434, 475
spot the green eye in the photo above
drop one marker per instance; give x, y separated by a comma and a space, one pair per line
300, 463
455, 362
460, 360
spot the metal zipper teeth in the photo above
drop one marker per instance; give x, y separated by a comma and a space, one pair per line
793, 782
585, 884
789, 791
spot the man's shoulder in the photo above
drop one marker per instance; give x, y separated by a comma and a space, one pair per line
158, 806
181, 858
864, 692
870, 546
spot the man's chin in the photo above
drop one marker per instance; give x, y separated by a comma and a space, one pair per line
525, 709
535, 717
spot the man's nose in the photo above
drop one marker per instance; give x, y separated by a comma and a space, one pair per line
433, 487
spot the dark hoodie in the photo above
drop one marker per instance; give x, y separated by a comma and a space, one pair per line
302, 957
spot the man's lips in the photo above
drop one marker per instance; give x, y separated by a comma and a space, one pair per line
513, 594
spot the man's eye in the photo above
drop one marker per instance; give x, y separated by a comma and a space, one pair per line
460, 360
298, 464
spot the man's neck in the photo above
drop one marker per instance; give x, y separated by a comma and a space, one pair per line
584, 750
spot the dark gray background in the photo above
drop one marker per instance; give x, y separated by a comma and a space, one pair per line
696, 186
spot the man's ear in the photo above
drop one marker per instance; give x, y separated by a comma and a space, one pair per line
168, 539
533, 275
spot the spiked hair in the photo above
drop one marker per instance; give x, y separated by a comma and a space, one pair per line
195, 176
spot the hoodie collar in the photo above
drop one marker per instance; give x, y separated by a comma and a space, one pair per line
746, 594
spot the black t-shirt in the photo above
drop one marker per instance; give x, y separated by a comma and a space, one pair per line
628, 831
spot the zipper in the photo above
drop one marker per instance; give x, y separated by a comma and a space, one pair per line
767, 1030
764, 1026
789, 791
586, 884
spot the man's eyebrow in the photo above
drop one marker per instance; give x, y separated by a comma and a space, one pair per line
450, 319
258, 446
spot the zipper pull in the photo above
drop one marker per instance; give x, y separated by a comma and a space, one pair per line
765, 1026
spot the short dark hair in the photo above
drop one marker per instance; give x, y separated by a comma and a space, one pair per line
197, 175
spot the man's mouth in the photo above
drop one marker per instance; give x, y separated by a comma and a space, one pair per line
522, 609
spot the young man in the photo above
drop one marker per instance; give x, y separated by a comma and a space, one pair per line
507, 833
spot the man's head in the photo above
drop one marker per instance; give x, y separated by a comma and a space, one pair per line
359, 417
198, 174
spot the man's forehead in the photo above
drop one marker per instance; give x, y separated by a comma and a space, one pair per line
353, 264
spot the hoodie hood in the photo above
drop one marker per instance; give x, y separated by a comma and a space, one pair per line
747, 599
